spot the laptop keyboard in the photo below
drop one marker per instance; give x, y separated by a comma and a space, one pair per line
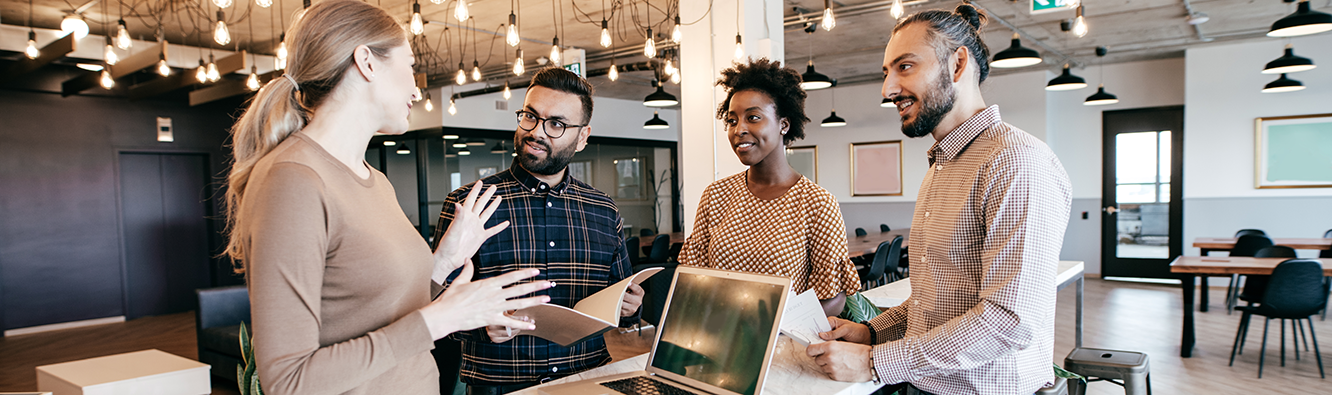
644, 386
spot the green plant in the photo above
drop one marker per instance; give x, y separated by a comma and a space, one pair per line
1067, 374
247, 378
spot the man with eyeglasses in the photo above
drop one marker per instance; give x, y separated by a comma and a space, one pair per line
558, 224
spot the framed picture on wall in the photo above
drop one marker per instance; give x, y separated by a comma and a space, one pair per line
629, 178
581, 171
805, 160
876, 168
1293, 152
483, 172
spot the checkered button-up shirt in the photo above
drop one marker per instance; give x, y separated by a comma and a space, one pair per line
571, 232
985, 242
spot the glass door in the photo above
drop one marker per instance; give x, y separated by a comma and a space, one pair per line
1141, 211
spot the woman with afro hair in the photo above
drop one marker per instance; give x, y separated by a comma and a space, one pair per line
769, 219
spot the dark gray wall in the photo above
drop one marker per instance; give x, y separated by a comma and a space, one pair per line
60, 255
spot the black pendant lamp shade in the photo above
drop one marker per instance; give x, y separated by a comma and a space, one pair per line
813, 80
1288, 63
1101, 98
660, 98
1016, 56
1066, 82
1303, 21
390, 143
403, 150
1283, 84
498, 148
656, 122
833, 121
888, 103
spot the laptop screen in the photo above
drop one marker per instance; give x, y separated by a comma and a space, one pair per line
717, 330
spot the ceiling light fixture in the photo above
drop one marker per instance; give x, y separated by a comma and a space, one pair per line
512, 37
461, 77
252, 81
1282, 85
507, 93
430, 104
31, 51
461, 11
213, 75
90, 66
403, 150
281, 53
390, 143
1016, 55
464, 152
1101, 98
897, 10
1080, 23
264, 3
649, 47
613, 74
476, 70
222, 3
518, 63
660, 98
1289, 63
417, 26
676, 35
828, 23
453, 108
555, 51
459, 143
162, 67
833, 121
74, 23
123, 40
450, 137
1066, 82
605, 35
220, 33
656, 122
1303, 21
110, 53
498, 148
739, 47
813, 80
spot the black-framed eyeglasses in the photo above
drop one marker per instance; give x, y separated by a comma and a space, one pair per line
554, 128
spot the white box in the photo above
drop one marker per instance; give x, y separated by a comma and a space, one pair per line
148, 372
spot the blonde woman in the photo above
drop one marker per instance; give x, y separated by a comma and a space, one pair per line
341, 285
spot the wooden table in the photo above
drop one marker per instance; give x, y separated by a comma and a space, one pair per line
868, 244
1209, 244
646, 241
1190, 267
1067, 273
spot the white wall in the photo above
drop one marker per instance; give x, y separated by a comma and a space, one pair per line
610, 117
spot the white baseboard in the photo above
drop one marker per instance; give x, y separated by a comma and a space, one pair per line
63, 325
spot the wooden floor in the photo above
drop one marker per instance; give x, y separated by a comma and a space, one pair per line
1119, 315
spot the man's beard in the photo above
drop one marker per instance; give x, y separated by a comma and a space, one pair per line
555, 161
937, 104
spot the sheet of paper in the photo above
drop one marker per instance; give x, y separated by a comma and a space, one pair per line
605, 304
804, 319
884, 303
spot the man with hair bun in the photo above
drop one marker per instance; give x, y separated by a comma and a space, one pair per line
985, 235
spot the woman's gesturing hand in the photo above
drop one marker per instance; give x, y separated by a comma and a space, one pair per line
467, 231
470, 305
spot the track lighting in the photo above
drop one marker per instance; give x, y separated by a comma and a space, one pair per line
512, 37
1289, 63
107, 81
676, 35
555, 51
656, 122
1282, 85
897, 10
123, 40
1303, 21
416, 26
1016, 56
1066, 82
739, 48
518, 63
31, 51
605, 35
828, 23
649, 47
253, 81
220, 33
460, 12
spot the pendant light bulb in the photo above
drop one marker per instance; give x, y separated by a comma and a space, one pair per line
739, 48
201, 73
461, 11
162, 67
670, 68
213, 75
107, 81
1080, 24
605, 35
220, 33
649, 47
897, 10
555, 51
222, 3
123, 40
31, 51
264, 3
74, 24
675, 78
111, 57
518, 63
461, 77
282, 52
828, 22
676, 35
253, 81
476, 71
508, 94
613, 74
512, 37
417, 26
453, 108
430, 104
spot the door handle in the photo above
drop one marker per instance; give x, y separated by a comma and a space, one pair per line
1110, 209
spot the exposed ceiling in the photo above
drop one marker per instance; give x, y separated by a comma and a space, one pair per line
852, 52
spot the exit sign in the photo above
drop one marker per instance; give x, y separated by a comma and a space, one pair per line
1044, 6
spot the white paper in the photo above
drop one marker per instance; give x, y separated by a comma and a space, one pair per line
884, 303
804, 319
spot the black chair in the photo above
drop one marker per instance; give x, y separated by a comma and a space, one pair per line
631, 246
1247, 245
884, 228
1296, 291
860, 232
645, 232
1326, 253
673, 254
1243, 232
661, 246
656, 289
217, 327
886, 258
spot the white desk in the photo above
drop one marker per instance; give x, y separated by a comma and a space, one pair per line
1069, 272
792, 372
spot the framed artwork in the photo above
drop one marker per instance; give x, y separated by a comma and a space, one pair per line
581, 171
1293, 152
876, 168
483, 172
805, 160
629, 178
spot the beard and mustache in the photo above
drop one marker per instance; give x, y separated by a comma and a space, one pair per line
555, 161
938, 103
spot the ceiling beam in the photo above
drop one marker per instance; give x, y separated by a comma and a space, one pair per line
227, 65
226, 88
51, 52
138, 61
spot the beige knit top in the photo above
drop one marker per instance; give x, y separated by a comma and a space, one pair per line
336, 273
799, 235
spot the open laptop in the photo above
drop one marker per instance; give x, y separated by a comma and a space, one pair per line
714, 329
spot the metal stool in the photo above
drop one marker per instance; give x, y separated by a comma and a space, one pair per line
1109, 365
1060, 387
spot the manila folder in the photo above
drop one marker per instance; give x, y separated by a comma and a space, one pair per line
594, 315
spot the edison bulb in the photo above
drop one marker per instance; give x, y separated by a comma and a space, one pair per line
123, 40
222, 3
605, 35
220, 33
613, 74
555, 51
107, 81
430, 105
31, 51
507, 93
739, 48
253, 81
461, 78
676, 35
461, 11
518, 64
111, 57
670, 68
280, 61
898, 10
201, 73
417, 26
649, 48
828, 22
476, 72
453, 108
162, 68
675, 78
512, 37
1080, 26
213, 75
264, 3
